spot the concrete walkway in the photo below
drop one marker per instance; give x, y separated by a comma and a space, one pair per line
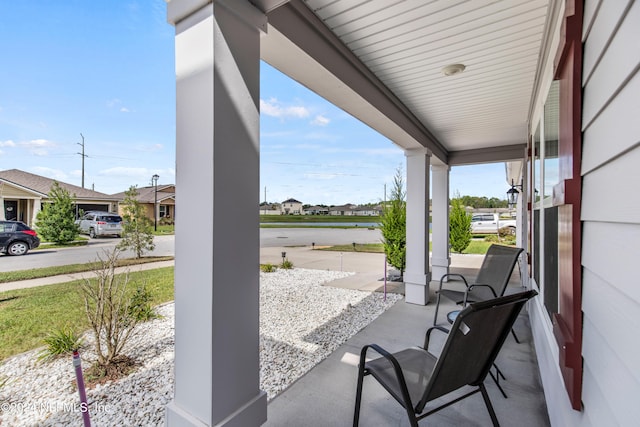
32, 283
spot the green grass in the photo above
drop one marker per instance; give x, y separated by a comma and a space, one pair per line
475, 247
164, 230
366, 247
36, 273
27, 316
310, 226
318, 218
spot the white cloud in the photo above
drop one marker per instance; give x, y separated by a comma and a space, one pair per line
273, 108
38, 147
113, 102
8, 143
125, 110
320, 121
56, 174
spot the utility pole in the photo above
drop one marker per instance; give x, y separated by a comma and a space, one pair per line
83, 156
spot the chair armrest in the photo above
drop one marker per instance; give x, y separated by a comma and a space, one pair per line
450, 275
470, 288
394, 362
427, 336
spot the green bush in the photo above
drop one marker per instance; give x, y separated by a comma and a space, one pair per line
393, 225
60, 342
140, 306
56, 221
491, 238
267, 268
286, 265
459, 226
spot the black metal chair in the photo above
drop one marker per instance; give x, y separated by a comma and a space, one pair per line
415, 376
492, 280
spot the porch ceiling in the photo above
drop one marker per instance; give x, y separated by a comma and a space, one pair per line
382, 60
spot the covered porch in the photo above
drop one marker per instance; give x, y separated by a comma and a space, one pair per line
450, 83
326, 394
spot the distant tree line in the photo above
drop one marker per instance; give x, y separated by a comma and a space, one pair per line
483, 202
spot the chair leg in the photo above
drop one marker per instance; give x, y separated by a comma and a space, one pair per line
435, 317
356, 413
515, 336
487, 402
496, 379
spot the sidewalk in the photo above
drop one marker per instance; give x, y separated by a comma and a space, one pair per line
32, 283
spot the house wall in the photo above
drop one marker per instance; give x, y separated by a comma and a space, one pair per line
610, 216
611, 219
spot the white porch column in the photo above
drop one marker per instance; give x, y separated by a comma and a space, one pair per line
37, 206
440, 258
2, 217
417, 276
217, 157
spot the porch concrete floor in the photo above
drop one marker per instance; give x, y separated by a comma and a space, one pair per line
325, 396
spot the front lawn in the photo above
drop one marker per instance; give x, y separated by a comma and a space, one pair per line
27, 316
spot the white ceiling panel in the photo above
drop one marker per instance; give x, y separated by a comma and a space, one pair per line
405, 44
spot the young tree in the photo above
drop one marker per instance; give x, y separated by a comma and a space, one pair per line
459, 226
109, 308
137, 232
56, 221
393, 225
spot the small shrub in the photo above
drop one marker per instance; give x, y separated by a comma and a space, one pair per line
60, 342
140, 305
286, 265
506, 231
491, 238
108, 309
267, 268
166, 221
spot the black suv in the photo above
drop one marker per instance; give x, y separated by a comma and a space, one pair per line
16, 238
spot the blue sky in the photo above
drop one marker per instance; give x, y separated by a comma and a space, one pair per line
105, 69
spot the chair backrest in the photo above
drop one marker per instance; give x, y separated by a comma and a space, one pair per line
473, 344
497, 267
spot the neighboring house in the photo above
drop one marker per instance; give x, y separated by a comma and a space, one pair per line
22, 195
270, 208
346, 210
368, 210
165, 201
316, 210
291, 207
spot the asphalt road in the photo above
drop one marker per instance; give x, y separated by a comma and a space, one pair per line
269, 237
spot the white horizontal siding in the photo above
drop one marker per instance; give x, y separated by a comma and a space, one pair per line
604, 25
610, 251
615, 130
596, 413
612, 320
618, 386
616, 65
610, 193
611, 213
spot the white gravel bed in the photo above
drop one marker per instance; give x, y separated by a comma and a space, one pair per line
301, 323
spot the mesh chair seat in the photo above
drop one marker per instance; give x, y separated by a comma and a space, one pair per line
417, 364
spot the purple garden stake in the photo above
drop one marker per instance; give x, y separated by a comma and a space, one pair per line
84, 407
385, 278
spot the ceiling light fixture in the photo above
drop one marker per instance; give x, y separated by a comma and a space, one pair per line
453, 69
